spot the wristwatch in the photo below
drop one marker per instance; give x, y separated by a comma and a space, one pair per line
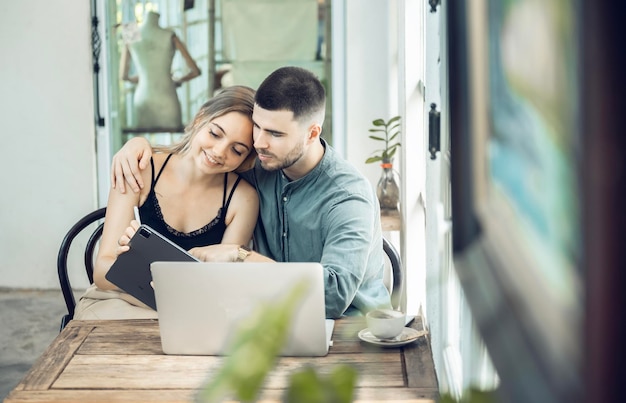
243, 252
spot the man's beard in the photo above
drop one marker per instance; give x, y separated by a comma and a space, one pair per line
294, 156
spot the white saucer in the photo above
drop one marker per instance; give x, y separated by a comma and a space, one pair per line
408, 335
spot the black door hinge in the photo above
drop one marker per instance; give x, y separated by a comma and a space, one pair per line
433, 5
433, 131
96, 45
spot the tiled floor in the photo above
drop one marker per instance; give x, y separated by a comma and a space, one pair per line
29, 321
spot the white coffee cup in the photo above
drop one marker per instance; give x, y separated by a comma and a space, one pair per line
385, 323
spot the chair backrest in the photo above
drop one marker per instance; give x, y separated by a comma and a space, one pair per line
64, 251
396, 276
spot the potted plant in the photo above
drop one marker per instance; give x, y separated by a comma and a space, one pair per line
387, 189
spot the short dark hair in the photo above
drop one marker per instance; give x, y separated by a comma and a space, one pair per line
293, 89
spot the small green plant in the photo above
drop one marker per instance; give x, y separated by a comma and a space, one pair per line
391, 130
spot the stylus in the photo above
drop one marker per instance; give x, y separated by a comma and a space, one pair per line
137, 218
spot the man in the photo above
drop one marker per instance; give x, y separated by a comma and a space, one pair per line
314, 205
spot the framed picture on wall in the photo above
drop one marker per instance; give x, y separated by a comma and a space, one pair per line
515, 132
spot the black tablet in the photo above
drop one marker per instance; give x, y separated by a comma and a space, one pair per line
131, 270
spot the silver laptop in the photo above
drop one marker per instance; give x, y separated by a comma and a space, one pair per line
202, 305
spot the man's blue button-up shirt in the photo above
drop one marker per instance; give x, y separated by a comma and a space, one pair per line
330, 216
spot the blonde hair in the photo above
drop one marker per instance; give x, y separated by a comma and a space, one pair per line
237, 98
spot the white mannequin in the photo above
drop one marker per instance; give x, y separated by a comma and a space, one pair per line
156, 104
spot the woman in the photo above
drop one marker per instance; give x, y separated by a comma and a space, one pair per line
196, 198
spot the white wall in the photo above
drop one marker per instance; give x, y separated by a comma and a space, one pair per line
47, 169
368, 64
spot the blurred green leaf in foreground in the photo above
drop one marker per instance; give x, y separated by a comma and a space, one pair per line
306, 386
254, 352
471, 395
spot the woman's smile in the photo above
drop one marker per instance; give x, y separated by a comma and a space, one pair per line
212, 160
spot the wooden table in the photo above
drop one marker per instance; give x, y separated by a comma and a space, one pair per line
122, 361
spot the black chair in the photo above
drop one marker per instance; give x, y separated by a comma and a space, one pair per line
395, 286
64, 251
396, 273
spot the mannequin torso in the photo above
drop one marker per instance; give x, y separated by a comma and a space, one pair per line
156, 104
